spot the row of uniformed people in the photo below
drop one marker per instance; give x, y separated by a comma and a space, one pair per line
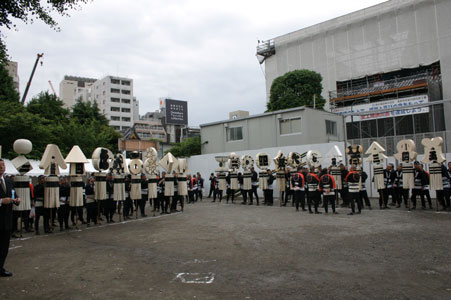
304, 184
107, 207
394, 188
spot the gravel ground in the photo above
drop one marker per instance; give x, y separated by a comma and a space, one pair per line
232, 251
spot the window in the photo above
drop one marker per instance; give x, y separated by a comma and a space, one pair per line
114, 118
117, 127
115, 100
125, 109
125, 82
125, 92
125, 119
404, 125
126, 101
422, 123
368, 128
117, 91
288, 126
385, 127
115, 108
115, 81
353, 130
331, 127
234, 134
125, 127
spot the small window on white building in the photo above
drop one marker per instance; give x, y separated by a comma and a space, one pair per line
234, 133
331, 127
288, 126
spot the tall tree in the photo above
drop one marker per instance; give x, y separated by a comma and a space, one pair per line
296, 88
30, 10
7, 90
188, 147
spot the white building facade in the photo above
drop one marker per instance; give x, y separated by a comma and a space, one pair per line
113, 94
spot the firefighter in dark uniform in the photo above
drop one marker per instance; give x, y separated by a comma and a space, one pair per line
144, 195
269, 191
426, 192
344, 188
353, 180
110, 205
162, 198
442, 195
64, 209
363, 193
314, 194
328, 187
420, 181
400, 192
298, 183
389, 179
39, 206
254, 180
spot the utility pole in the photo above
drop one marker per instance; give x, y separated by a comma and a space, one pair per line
31, 78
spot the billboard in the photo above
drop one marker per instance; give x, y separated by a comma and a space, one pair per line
401, 103
176, 112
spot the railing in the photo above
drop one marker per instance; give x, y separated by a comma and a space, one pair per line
380, 87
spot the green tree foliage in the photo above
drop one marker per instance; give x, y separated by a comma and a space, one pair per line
296, 88
30, 10
187, 148
45, 120
7, 90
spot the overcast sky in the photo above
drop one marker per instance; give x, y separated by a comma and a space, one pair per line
195, 50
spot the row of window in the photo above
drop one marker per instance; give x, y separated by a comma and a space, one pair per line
123, 109
118, 91
287, 126
116, 118
123, 82
117, 100
402, 125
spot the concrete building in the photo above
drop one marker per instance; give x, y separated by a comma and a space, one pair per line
114, 96
73, 88
12, 68
397, 53
289, 127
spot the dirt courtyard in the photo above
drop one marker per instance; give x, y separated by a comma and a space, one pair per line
233, 251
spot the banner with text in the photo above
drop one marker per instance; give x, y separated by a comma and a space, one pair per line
400, 108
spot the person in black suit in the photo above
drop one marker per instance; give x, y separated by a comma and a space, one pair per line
6, 217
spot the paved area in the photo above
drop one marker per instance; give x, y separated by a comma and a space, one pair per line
232, 251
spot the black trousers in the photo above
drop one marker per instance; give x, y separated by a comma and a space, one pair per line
299, 198
383, 200
329, 199
212, 190
364, 196
402, 194
24, 217
217, 193
142, 204
175, 200
109, 208
268, 196
415, 193
76, 210
445, 202
355, 197
45, 213
252, 193
63, 215
344, 196
244, 194
389, 192
5, 236
313, 197
428, 196
91, 212
230, 192
288, 192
